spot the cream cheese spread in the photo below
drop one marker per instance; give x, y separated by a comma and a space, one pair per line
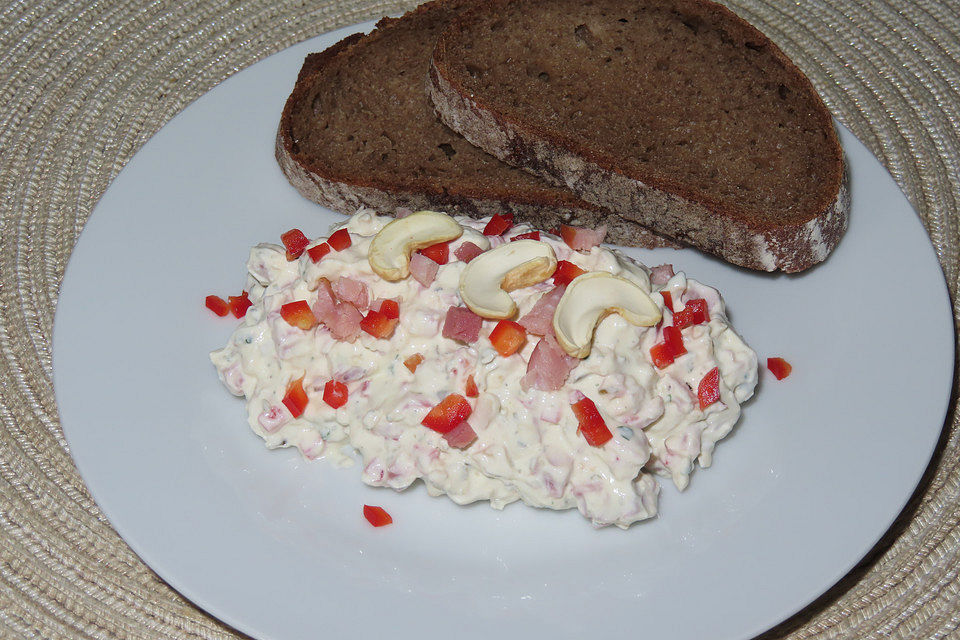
528, 444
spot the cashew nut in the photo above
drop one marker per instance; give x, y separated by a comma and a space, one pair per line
487, 278
590, 298
390, 249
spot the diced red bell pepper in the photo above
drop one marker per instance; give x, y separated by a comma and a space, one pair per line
664, 353
592, 426
390, 308
699, 309
695, 312
446, 415
298, 314
317, 252
529, 235
377, 516
295, 399
339, 240
239, 304
335, 393
667, 300
439, 253
566, 271
378, 324
779, 367
507, 337
413, 362
674, 341
498, 224
218, 305
708, 391
471, 387
661, 355
295, 242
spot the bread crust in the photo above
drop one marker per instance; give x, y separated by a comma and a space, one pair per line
344, 192
670, 209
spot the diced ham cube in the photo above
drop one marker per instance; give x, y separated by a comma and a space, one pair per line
461, 437
539, 320
344, 323
462, 324
467, 252
326, 303
353, 291
423, 269
582, 239
549, 366
272, 418
660, 274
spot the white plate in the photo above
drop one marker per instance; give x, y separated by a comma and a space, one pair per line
277, 547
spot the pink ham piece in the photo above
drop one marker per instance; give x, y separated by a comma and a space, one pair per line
539, 320
462, 324
272, 418
326, 303
461, 436
344, 323
423, 269
660, 274
549, 366
353, 291
581, 239
467, 252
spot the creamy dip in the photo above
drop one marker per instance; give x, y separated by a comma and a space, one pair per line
528, 445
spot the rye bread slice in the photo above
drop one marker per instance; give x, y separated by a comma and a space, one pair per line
359, 130
675, 114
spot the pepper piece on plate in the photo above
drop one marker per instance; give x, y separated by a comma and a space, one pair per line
498, 224
218, 305
317, 252
295, 399
294, 242
592, 426
376, 516
339, 240
566, 271
448, 413
695, 312
439, 253
779, 367
378, 324
298, 314
239, 304
708, 391
507, 337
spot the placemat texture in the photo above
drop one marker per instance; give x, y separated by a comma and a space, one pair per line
85, 83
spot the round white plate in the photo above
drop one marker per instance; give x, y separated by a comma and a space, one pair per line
816, 471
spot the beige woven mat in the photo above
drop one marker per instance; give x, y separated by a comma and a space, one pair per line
85, 84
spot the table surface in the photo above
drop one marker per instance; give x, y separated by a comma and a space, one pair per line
86, 84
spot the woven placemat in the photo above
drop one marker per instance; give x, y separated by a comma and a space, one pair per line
85, 83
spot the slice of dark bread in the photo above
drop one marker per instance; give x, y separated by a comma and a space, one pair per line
359, 129
676, 114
